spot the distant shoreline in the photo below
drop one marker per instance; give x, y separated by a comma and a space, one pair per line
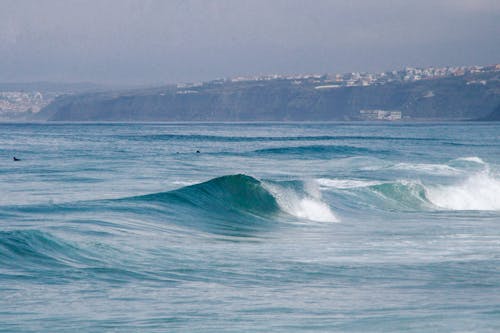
466, 93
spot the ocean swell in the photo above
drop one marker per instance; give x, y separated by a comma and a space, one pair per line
32, 249
318, 151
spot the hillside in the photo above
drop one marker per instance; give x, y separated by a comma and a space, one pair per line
493, 116
469, 96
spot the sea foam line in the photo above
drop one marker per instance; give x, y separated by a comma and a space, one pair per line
345, 183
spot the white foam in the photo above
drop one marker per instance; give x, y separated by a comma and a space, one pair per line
345, 183
313, 210
474, 159
435, 169
479, 192
183, 183
305, 206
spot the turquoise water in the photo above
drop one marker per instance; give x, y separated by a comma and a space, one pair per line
271, 227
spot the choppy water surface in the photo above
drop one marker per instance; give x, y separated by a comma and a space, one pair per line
271, 227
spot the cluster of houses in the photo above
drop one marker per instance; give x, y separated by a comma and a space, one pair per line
20, 101
356, 79
390, 115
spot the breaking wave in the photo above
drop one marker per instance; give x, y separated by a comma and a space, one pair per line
474, 187
237, 193
478, 192
243, 200
302, 200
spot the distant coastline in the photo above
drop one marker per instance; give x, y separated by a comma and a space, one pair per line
411, 94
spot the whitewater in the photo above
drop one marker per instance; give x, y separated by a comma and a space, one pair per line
269, 227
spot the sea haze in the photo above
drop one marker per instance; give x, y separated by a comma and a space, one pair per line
269, 227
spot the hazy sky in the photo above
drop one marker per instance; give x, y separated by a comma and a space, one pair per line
149, 42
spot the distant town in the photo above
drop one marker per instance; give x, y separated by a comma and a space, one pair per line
18, 103
357, 79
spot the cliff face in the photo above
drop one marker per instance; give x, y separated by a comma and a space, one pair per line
493, 116
452, 98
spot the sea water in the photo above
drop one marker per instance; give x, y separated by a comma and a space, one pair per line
271, 227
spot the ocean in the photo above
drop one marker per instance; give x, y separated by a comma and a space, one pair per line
269, 227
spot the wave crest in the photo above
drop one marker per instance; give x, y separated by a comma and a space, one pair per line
246, 196
478, 192
240, 193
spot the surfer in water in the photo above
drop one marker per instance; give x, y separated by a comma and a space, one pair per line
15, 159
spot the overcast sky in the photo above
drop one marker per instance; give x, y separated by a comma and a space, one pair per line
154, 41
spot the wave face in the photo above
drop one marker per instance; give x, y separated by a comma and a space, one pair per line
270, 227
235, 205
239, 193
241, 201
32, 246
